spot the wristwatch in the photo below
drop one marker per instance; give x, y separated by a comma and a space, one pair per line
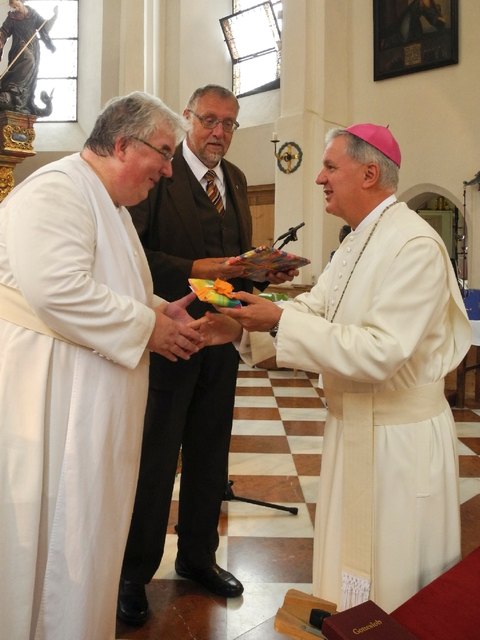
274, 330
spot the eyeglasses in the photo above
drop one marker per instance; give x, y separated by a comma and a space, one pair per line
166, 155
210, 122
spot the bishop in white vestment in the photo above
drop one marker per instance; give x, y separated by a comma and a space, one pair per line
383, 326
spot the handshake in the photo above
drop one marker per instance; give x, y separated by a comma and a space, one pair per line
174, 335
177, 335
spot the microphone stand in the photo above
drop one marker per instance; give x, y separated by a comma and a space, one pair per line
463, 237
229, 495
289, 236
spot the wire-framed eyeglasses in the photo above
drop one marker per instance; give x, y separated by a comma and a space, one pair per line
210, 122
166, 155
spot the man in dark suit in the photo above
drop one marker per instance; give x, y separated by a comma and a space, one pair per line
190, 403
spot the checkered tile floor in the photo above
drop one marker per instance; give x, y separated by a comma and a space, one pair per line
275, 456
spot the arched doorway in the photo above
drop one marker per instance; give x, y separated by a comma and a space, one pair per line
446, 216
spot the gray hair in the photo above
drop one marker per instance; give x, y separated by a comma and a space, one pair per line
363, 152
136, 115
216, 90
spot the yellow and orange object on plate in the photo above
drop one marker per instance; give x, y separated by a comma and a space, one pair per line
217, 292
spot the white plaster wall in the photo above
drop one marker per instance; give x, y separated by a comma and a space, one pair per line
433, 114
170, 47
327, 79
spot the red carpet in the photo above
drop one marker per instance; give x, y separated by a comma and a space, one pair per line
449, 607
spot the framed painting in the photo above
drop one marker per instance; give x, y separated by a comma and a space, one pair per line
413, 35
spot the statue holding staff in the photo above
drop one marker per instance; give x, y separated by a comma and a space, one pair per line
18, 82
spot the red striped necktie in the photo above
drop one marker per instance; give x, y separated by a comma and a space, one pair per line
213, 192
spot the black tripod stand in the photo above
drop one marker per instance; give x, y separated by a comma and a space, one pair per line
290, 235
229, 495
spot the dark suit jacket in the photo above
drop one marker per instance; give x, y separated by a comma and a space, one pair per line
171, 233
190, 401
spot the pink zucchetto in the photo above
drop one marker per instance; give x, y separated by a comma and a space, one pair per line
380, 138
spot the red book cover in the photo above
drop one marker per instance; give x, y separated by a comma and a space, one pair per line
366, 621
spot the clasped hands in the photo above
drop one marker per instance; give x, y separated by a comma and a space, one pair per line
174, 335
258, 314
177, 335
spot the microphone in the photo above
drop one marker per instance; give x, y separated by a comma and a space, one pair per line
291, 234
474, 180
317, 616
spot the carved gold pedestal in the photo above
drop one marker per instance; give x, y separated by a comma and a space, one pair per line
16, 144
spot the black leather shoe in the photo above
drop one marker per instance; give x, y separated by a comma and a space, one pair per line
213, 578
132, 603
